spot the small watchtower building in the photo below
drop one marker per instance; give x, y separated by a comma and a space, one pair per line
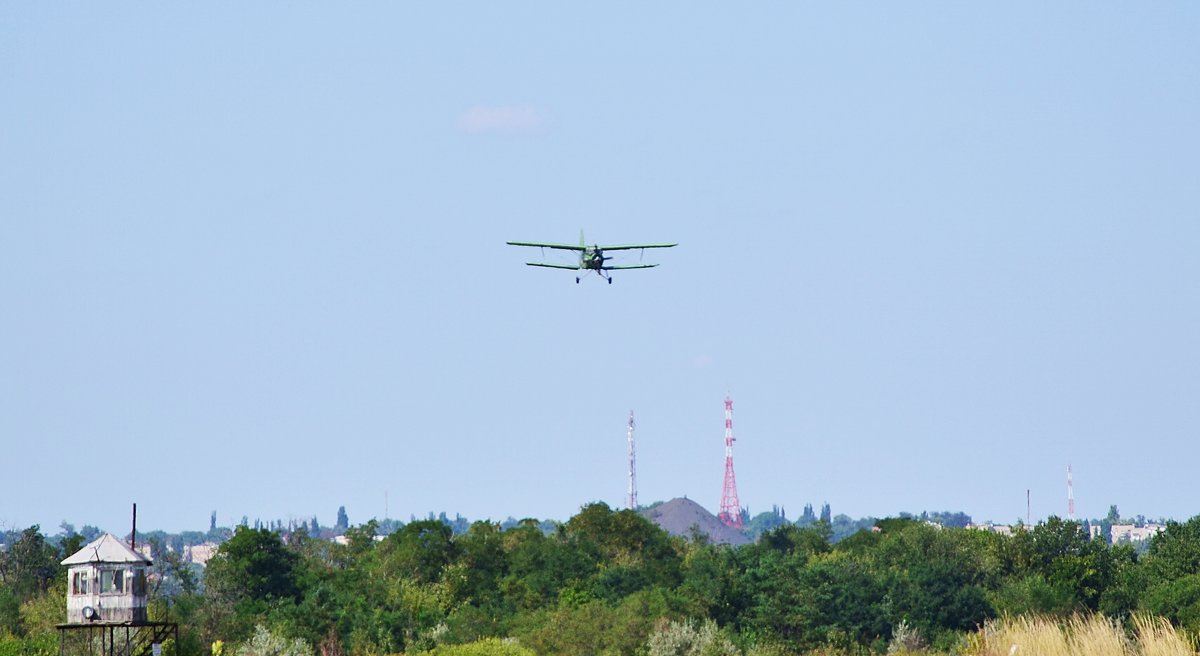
106, 582
106, 603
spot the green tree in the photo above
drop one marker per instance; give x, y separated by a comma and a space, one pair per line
792, 539
1069, 560
42, 612
1170, 571
481, 564
10, 612
1177, 600
538, 566
710, 586
254, 564
763, 522
596, 628
805, 602
630, 553
421, 551
933, 576
1032, 595
1175, 551
29, 565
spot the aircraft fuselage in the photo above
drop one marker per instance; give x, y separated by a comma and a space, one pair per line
592, 258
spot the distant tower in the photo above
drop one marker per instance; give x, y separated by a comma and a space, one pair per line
631, 499
1070, 496
731, 510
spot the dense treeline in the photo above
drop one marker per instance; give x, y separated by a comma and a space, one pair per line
610, 582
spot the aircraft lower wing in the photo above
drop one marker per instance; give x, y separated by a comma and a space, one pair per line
554, 266
629, 266
563, 247
632, 247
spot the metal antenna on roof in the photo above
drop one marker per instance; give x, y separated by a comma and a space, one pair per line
133, 534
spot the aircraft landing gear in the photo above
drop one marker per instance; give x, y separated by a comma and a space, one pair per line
576, 280
610, 281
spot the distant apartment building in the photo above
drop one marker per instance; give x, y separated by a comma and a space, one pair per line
1002, 529
1133, 533
200, 554
345, 541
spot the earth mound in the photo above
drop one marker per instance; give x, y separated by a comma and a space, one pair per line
678, 516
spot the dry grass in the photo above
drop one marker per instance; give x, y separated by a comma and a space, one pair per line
1082, 635
1157, 637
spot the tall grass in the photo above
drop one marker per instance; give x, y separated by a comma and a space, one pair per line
1081, 635
1157, 637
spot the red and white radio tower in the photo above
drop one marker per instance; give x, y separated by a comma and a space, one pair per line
731, 510
1070, 496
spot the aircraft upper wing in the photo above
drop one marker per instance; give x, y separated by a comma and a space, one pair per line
564, 247
634, 247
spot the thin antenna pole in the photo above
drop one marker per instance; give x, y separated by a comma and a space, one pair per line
631, 501
133, 533
1070, 496
1028, 508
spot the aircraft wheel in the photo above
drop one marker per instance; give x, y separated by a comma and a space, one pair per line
610, 281
577, 280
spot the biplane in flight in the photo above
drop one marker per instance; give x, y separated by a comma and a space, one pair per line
591, 258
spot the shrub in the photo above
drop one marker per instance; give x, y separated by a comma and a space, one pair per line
689, 639
485, 647
267, 643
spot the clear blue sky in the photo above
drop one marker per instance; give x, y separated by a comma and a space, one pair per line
252, 257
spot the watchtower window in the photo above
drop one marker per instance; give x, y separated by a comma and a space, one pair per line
112, 580
79, 583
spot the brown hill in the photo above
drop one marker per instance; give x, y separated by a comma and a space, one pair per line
678, 516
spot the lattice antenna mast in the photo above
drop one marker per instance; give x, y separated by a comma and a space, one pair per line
731, 510
1070, 496
631, 499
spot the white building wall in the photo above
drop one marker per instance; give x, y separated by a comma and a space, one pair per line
84, 591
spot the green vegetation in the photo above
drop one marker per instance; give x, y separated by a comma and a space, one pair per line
610, 582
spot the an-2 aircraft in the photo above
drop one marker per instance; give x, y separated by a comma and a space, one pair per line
591, 257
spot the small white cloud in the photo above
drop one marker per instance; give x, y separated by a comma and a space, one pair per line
500, 120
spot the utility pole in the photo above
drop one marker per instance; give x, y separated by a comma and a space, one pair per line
1070, 496
631, 499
